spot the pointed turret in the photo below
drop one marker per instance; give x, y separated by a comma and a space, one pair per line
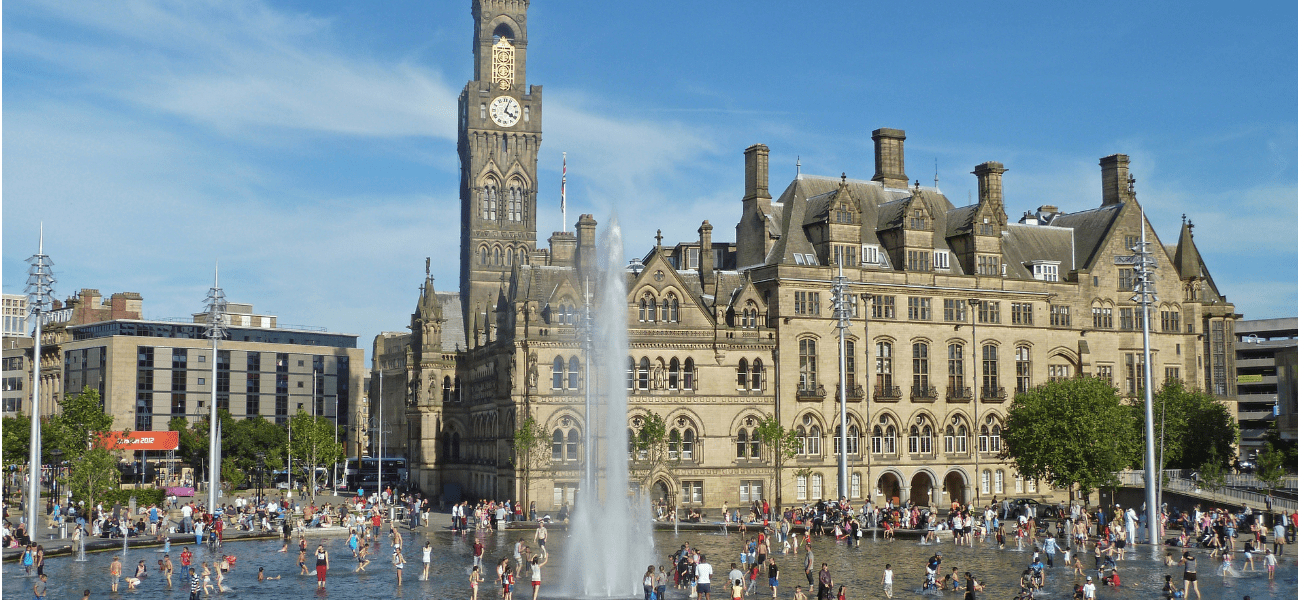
1186, 258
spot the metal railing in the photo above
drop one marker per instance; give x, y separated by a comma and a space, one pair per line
962, 394
888, 393
925, 393
1175, 483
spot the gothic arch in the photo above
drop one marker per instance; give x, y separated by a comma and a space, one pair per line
692, 420
747, 413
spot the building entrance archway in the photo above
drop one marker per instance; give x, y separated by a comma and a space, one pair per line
659, 492
890, 487
955, 484
922, 489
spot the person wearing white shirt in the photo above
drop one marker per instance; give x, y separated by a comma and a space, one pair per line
703, 573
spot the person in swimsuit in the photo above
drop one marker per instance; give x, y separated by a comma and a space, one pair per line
1189, 574
322, 565
115, 571
363, 559
167, 569
475, 578
302, 562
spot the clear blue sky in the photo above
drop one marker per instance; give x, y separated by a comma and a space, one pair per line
310, 146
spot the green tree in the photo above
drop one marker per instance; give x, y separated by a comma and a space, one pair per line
650, 446
782, 443
1271, 468
530, 444
1213, 472
314, 444
1070, 433
92, 474
80, 423
1195, 426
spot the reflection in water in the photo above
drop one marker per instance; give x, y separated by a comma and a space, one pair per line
858, 568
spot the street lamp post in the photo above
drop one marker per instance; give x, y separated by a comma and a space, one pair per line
261, 470
40, 291
1145, 294
216, 304
975, 393
57, 454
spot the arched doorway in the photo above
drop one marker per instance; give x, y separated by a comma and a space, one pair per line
891, 487
955, 484
659, 493
922, 488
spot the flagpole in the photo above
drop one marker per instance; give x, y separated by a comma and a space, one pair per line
564, 179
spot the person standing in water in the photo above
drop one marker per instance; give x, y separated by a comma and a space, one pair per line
322, 566
115, 571
399, 561
428, 556
536, 575
1189, 575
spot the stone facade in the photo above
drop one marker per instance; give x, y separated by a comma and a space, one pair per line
953, 311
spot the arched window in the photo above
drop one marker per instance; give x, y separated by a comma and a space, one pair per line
674, 373
984, 438
962, 436
742, 443
808, 365
506, 256
927, 440
557, 445
663, 312
557, 374
652, 309
891, 440
482, 255
884, 366
914, 440
852, 439
1022, 369
990, 382
572, 449
496, 256
515, 201
643, 374
850, 366
641, 315
814, 440
489, 203
446, 389
631, 444
742, 374
802, 435
688, 374
995, 439
949, 440
631, 373
877, 440
674, 307
920, 369
754, 449
688, 444
674, 444
756, 375
573, 372
956, 369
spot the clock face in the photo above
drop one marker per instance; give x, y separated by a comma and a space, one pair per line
505, 111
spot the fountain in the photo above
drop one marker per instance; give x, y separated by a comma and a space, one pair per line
611, 539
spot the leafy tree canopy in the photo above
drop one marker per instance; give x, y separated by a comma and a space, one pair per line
1070, 433
1196, 426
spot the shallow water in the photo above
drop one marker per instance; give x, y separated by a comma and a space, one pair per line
858, 568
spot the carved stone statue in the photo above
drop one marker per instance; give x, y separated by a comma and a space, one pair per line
532, 370
659, 377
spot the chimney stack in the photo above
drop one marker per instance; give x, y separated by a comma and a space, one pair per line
586, 258
889, 157
1114, 180
706, 254
989, 175
563, 247
756, 172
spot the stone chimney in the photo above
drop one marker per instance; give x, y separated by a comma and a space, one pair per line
1114, 180
889, 157
756, 173
586, 257
706, 254
989, 175
564, 245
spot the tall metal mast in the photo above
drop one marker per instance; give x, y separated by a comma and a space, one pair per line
839, 292
40, 292
1144, 292
216, 309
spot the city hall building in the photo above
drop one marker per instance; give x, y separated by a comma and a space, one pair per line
953, 310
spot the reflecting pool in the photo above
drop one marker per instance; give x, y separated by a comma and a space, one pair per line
858, 568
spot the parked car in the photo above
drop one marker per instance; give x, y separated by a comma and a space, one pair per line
1040, 510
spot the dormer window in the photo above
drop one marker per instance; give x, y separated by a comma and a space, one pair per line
798, 259
870, 255
842, 214
1045, 270
846, 255
987, 228
941, 260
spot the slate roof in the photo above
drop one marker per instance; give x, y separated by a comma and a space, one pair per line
1024, 243
1090, 229
453, 326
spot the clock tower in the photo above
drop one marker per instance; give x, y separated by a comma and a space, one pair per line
500, 130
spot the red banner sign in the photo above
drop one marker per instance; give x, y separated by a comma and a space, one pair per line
141, 440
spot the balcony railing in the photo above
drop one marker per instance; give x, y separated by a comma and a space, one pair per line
924, 393
854, 394
888, 393
959, 394
809, 393
991, 394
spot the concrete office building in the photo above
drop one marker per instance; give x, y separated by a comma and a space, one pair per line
1264, 347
